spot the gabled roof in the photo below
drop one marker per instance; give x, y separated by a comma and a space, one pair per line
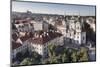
42, 40
15, 45
14, 36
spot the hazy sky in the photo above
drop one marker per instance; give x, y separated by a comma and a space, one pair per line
53, 8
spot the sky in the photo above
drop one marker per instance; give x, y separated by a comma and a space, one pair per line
51, 8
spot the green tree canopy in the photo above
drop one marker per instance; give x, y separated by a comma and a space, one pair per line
26, 61
83, 55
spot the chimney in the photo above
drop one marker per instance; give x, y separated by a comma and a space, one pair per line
35, 34
44, 34
19, 41
33, 38
47, 34
40, 36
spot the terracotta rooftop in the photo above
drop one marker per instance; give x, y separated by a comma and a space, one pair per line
44, 39
22, 21
15, 45
26, 37
14, 36
37, 40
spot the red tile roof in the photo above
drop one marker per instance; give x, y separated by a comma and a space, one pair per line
15, 45
26, 37
14, 36
22, 21
44, 39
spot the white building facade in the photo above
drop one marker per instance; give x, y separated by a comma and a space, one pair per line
42, 47
40, 25
75, 34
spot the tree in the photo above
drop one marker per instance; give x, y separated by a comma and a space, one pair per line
64, 58
74, 56
36, 58
83, 55
19, 56
90, 34
26, 61
52, 53
45, 61
51, 49
53, 60
64, 55
26, 54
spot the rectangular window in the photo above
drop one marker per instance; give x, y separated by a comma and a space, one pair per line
83, 38
77, 36
70, 34
77, 42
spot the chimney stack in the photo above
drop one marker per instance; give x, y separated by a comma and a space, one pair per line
40, 36
47, 34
